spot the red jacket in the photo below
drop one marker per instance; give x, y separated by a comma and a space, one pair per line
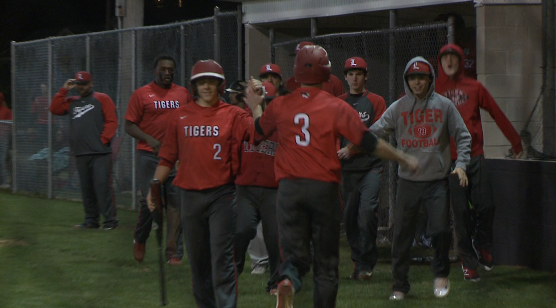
469, 96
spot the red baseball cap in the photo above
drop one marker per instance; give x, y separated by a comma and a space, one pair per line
301, 45
270, 68
355, 63
418, 67
269, 90
82, 77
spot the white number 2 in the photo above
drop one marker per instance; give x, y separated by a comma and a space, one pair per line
304, 129
218, 149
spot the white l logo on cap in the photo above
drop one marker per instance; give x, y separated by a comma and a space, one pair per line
353, 62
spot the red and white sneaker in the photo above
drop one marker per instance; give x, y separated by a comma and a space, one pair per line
485, 259
470, 274
285, 294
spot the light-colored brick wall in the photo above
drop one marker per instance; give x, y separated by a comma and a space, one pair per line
509, 59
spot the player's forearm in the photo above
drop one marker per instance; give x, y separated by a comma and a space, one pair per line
134, 131
161, 173
387, 152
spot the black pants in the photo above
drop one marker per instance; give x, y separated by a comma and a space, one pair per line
146, 166
256, 204
410, 196
209, 220
361, 191
309, 211
95, 177
473, 224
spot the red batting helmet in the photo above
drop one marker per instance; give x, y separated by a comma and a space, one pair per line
207, 68
312, 65
355, 63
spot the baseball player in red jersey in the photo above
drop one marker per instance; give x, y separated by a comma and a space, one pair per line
256, 200
271, 72
333, 85
470, 96
93, 124
308, 170
206, 137
146, 120
361, 175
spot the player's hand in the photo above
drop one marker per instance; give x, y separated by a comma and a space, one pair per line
410, 162
518, 155
344, 153
462, 176
150, 202
154, 144
69, 84
254, 97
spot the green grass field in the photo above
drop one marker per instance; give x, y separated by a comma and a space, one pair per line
44, 262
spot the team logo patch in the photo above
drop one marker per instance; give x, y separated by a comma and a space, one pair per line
305, 94
422, 131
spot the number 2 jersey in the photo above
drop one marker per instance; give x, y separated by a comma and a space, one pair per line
309, 121
207, 141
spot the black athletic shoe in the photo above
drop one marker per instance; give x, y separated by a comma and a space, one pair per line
86, 226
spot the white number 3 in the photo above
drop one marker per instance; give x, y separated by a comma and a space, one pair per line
218, 149
304, 129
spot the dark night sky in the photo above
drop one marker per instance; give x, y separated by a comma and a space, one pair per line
24, 20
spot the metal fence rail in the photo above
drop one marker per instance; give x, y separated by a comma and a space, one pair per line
120, 61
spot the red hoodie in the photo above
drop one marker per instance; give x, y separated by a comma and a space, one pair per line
469, 96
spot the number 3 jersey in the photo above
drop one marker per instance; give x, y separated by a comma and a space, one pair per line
308, 122
206, 141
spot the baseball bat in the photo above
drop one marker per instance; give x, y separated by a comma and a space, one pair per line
156, 193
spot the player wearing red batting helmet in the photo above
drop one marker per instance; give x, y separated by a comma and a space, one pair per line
309, 171
361, 174
206, 137
332, 84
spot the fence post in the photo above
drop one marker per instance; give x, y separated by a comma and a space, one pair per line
88, 53
272, 48
240, 43
14, 108
392, 96
132, 140
182, 56
451, 34
50, 163
314, 27
216, 35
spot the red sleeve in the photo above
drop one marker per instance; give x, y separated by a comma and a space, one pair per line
380, 108
291, 84
135, 110
338, 85
487, 102
169, 149
110, 117
244, 130
60, 104
267, 120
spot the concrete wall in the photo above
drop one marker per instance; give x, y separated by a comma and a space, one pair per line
257, 50
509, 59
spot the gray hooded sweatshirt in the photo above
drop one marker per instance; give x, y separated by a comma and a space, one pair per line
423, 129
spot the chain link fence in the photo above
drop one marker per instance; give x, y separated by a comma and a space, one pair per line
386, 53
120, 61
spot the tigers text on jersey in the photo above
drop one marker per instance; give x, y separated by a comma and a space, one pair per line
207, 142
308, 122
150, 106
